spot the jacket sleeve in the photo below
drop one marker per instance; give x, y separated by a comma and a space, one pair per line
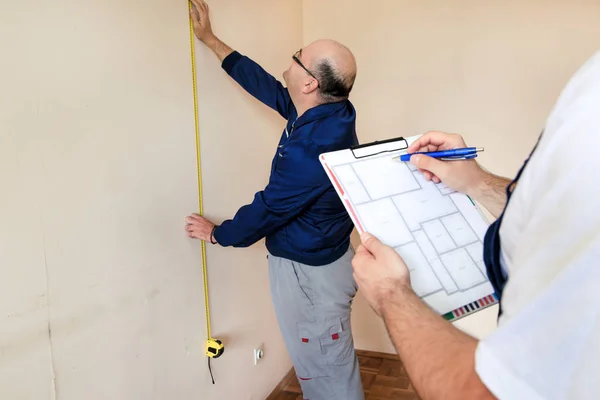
258, 82
298, 180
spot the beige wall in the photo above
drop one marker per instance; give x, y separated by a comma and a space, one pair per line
239, 138
490, 70
100, 290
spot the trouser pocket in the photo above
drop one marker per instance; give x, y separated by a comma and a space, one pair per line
324, 345
337, 345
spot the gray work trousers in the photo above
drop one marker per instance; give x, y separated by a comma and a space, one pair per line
313, 305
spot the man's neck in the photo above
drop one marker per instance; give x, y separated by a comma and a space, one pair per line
301, 109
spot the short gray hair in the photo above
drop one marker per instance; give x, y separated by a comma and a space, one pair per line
333, 85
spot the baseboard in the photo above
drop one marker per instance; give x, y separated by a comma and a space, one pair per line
367, 353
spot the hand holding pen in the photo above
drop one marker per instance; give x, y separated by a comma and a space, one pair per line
464, 176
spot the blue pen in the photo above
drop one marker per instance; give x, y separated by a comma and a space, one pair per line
446, 155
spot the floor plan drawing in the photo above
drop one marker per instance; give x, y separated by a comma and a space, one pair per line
437, 231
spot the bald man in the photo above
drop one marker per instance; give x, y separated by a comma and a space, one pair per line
306, 227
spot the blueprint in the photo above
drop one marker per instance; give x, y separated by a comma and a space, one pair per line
438, 232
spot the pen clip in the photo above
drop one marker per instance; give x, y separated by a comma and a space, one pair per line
459, 158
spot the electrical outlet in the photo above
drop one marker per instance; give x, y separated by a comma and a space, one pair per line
259, 353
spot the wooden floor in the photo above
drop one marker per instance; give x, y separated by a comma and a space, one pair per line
383, 376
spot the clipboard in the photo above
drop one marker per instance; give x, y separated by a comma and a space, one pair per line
438, 232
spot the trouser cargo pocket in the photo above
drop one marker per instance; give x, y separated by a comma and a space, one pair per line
325, 344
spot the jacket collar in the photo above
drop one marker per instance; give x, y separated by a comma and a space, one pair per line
320, 112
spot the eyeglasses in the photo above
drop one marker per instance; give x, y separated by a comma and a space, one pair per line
295, 58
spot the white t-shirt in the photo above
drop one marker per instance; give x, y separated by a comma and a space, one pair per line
547, 345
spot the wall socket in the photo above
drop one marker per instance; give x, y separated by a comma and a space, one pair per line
259, 353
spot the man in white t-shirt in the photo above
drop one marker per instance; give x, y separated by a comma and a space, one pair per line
542, 257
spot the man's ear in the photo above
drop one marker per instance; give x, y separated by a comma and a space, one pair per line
310, 86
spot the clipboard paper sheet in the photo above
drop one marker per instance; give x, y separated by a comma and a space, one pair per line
437, 231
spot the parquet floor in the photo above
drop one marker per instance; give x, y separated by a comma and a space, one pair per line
383, 376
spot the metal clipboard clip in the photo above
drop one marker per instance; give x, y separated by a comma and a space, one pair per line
379, 147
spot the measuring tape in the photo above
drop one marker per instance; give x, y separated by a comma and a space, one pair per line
214, 347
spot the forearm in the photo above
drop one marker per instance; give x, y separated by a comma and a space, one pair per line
220, 49
251, 223
490, 191
255, 80
439, 359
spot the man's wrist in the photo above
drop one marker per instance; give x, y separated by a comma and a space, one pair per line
211, 41
218, 47
490, 191
213, 240
389, 303
479, 185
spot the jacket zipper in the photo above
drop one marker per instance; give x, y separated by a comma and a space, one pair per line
288, 134
293, 123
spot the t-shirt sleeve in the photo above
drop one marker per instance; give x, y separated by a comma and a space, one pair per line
545, 349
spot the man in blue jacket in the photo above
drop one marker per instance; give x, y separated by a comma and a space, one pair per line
306, 227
